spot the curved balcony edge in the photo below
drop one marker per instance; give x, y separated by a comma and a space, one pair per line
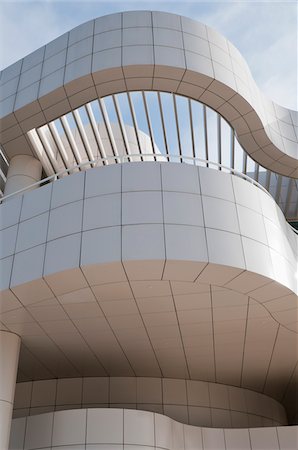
219, 79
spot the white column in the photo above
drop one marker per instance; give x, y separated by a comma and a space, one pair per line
23, 171
9, 358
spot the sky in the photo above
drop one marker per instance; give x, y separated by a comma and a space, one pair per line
265, 32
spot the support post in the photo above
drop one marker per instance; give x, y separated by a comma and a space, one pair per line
9, 358
23, 171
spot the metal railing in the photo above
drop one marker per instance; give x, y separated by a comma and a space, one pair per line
142, 158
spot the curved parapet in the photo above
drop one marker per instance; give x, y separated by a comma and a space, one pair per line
191, 402
194, 216
156, 269
114, 429
145, 51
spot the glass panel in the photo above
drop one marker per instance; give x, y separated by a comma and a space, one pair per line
124, 108
137, 101
155, 121
212, 135
250, 167
199, 131
225, 144
184, 126
169, 119
239, 157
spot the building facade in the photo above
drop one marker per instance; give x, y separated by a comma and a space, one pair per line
148, 266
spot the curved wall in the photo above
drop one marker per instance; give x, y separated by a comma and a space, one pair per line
117, 429
188, 401
152, 269
180, 214
145, 51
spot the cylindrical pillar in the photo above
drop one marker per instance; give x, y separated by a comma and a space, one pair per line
23, 171
9, 358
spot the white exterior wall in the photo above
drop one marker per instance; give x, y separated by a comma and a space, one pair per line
118, 429
9, 357
163, 51
188, 401
111, 228
190, 214
157, 223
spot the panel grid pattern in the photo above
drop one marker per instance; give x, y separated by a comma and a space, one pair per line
186, 58
116, 132
135, 292
194, 402
118, 429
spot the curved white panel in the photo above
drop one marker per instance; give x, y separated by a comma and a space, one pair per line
162, 52
179, 271
177, 212
191, 402
115, 429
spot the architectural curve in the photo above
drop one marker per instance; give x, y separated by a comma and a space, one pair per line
248, 235
114, 429
152, 394
145, 51
165, 238
154, 253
